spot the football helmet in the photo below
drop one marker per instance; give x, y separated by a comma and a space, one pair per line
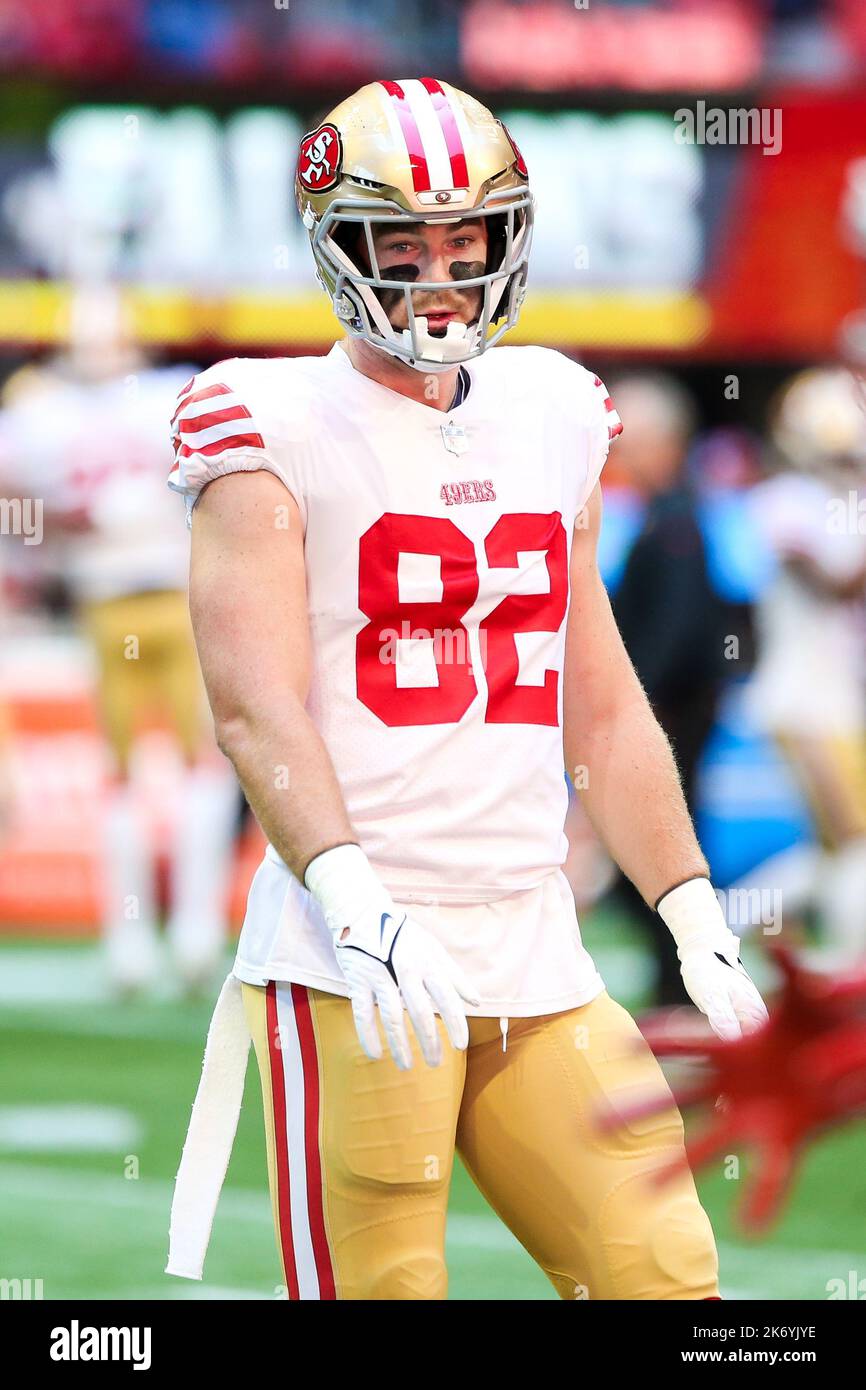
818, 421
406, 152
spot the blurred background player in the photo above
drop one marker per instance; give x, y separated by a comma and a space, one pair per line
86, 432
667, 609
7, 786
808, 686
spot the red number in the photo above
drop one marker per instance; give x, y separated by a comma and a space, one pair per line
379, 599
508, 702
390, 618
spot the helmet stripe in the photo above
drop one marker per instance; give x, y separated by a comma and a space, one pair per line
412, 136
431, 132
456, 152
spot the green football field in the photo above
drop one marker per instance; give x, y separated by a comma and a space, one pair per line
94, 1101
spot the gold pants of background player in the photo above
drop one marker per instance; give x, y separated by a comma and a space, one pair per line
158, 672
831, 771
360, 1153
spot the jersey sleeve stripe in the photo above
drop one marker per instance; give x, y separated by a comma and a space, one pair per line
207, 393
192, 424
209, 423
214, 430
220, 446
614, 424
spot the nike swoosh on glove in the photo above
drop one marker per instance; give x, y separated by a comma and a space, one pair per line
710, 964
389, 960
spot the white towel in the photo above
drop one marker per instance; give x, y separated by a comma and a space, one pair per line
211, 1134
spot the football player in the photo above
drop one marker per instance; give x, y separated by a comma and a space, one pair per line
7, 781
86, 432
808, 687
406, 642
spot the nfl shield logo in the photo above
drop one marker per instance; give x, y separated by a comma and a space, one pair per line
454, 438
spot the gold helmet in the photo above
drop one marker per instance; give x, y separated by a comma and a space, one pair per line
404, 152
818, 420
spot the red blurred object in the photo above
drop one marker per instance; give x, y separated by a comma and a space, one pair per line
683, 45
73, 37
772, 292
849, 17
775, 1090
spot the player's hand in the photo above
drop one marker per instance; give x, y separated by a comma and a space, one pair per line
388, 960
722, 989
409, 968
709, 953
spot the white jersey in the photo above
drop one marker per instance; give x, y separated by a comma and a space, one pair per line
98, 451
437, 547
809, 677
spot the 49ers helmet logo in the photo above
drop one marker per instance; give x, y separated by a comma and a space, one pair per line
320, 159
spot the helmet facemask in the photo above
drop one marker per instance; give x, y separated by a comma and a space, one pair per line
362, 291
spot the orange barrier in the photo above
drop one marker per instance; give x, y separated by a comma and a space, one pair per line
51, 867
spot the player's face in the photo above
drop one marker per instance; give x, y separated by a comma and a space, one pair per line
447, 253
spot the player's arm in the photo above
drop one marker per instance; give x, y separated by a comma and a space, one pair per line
632, 794
249, 610
248, 603
828, 586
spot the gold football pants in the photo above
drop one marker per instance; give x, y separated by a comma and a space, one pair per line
147, 665
360, 1153
831, 771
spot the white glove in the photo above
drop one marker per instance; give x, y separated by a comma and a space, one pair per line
387, 959
710, 964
